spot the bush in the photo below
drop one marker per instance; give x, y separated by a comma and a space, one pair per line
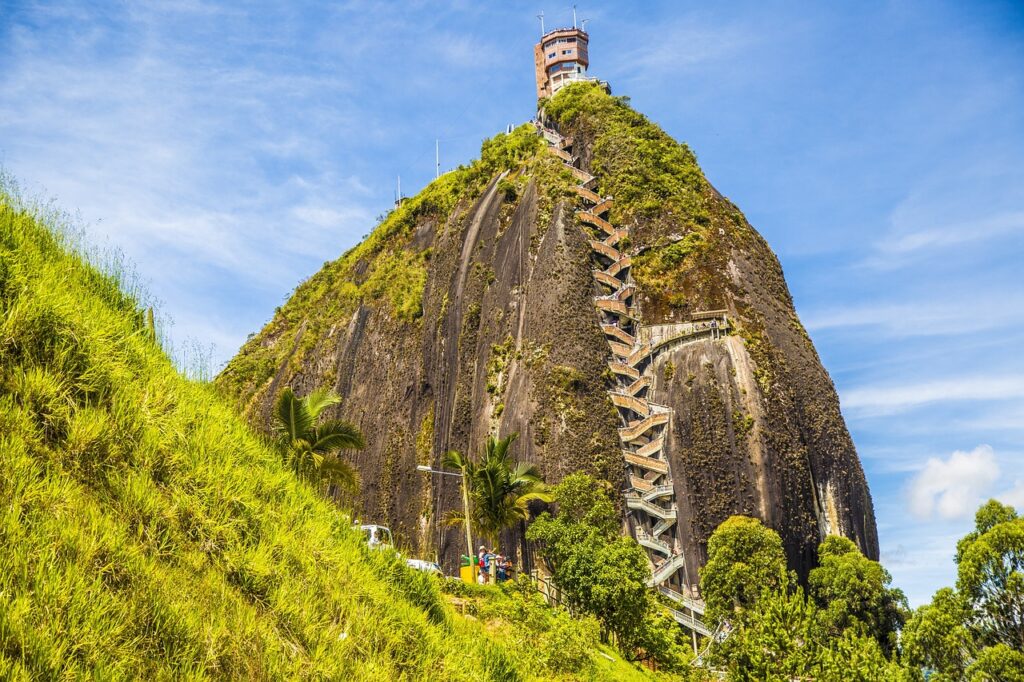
602, 573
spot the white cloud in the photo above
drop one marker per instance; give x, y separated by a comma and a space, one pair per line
886, 399
953, 488
1014, 496
902, 244
921, 318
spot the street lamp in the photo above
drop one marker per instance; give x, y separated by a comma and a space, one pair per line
465, 503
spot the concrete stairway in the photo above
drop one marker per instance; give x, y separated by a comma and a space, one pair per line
651, 500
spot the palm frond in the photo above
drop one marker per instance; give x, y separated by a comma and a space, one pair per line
339, 472
453, 517
455, 460
319, 400
337, 434
527, 472
291, 416
536, 496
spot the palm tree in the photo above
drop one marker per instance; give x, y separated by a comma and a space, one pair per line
309, 446
502, 489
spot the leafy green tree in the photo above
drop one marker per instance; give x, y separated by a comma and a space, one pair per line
991, 575
853, 591
309, 444
937, 637
998, 662
779, 633
602, 573
855, 658
776, 639
975, 632
744, 559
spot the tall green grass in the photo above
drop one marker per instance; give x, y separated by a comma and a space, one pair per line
147, 533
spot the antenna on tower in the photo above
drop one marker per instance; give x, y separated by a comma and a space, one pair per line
541, 17
574, 16
583, 23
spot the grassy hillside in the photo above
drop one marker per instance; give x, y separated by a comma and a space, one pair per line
149, 534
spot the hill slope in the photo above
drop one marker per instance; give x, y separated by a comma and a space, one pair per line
472, 308
149, 534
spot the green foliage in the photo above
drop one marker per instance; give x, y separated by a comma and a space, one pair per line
776, 632
990, 574
744, 559
497, 364
399, 276
998, 662
507, 189
386, 270
938, 636
652, 177
549, 641
853, 593
308, 443
657, 267
500, 490
976, 631
600, 572
148, 533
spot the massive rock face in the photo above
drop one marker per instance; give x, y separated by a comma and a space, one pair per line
471, 310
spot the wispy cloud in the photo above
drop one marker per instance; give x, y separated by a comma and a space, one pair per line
216, 169
950, 317
902, 245
895, 397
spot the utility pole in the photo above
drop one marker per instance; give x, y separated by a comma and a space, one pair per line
437, 159
398, 202
466, 508
541, 17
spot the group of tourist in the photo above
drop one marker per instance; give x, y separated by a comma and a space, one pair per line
492, 566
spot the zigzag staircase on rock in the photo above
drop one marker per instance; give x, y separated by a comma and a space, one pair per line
651, 500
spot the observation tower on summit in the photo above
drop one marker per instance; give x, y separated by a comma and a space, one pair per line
560, 58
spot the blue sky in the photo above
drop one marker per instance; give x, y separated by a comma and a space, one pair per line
230, 150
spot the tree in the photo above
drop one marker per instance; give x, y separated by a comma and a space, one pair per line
937, 636
998, 662
991, 575
975, 632
601, 572
309, 445
502, 489
777, 632
744, 559
853, 591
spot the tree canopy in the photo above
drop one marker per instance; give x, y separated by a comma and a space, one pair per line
745, 558
853, 591
976, 631
601, 572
